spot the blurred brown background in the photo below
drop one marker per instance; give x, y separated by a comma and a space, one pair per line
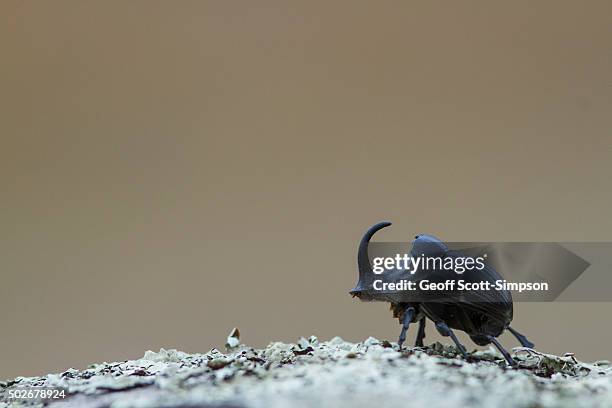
169, 170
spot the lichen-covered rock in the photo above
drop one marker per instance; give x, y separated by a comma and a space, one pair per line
336, 373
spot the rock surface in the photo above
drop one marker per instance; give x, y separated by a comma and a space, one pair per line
334, 373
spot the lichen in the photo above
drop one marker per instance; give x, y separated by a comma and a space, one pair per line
312, 373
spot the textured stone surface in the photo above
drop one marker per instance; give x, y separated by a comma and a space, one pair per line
334, 373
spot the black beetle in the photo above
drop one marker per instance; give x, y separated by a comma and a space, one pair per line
483, 315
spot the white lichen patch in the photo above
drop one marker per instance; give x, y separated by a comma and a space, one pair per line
334, 373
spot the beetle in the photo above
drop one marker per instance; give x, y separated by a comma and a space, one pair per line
483, 314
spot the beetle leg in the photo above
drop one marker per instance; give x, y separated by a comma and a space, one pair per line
420, 334
408, 315
445, 331
521, 338
502, 350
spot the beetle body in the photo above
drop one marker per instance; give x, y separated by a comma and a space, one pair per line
483, 315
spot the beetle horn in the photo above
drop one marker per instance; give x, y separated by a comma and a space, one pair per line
363, 260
